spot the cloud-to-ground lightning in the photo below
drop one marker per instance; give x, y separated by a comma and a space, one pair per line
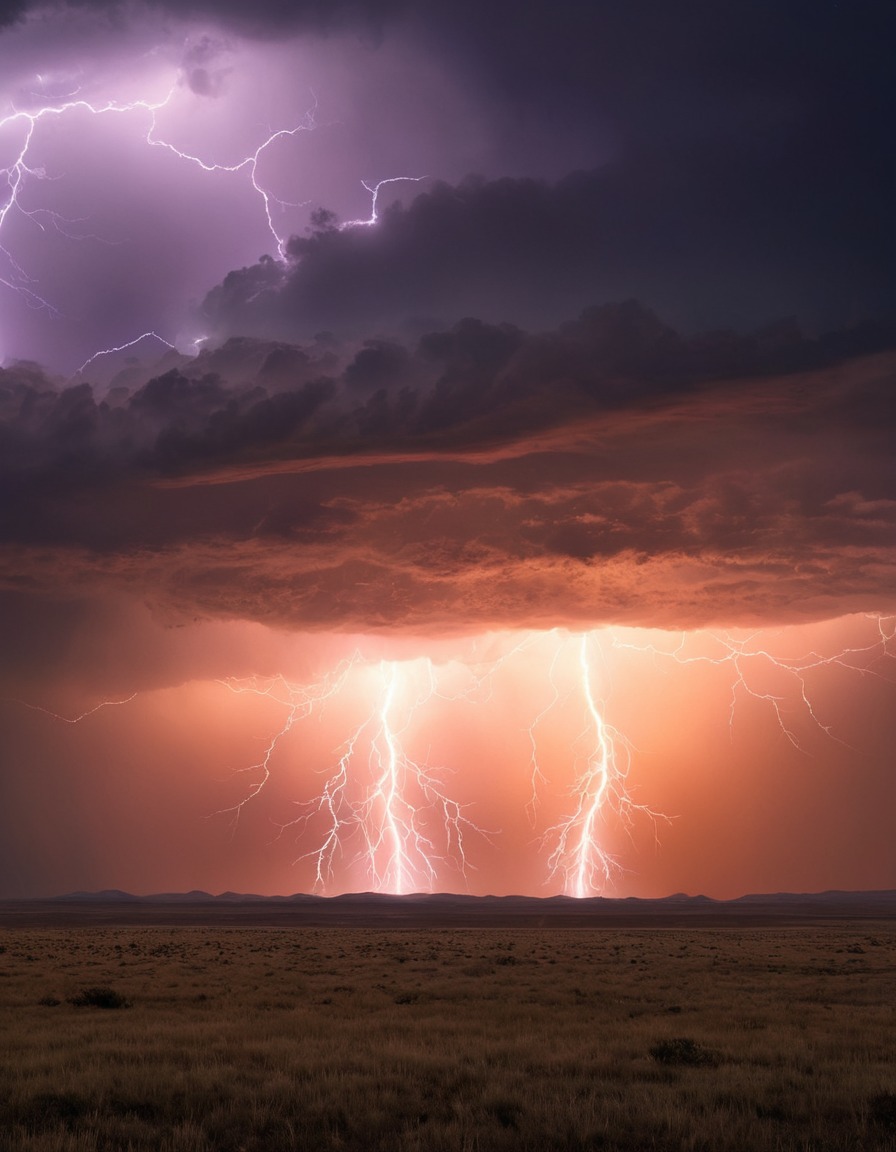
384, 812
389, 811
603, 756
385, 818
370, 806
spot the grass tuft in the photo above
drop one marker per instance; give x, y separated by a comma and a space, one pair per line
882, 1110
684, 1050
99, 998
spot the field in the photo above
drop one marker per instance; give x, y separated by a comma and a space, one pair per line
489, 1039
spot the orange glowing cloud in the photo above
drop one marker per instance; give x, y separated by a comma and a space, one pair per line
747, 501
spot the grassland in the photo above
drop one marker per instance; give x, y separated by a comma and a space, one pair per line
264, 1040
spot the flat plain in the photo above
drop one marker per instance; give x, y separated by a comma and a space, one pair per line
220, 1038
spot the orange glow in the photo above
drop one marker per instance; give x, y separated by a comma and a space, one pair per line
618, 761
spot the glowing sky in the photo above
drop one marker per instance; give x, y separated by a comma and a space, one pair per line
467, 511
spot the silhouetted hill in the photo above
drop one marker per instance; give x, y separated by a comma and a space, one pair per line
446, 909
883, 897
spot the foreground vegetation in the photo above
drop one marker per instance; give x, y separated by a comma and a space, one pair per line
262, 1040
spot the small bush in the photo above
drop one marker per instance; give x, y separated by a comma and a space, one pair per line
683, 1050
49, 1002
50, 1109
99, 998
882, 1110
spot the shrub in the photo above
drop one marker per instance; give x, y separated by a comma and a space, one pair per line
50, 1109
882, 1110
99, 998
683, 1050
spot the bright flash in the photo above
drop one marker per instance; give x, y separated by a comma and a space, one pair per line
386, 815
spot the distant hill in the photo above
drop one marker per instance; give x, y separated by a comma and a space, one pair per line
446, 910
882, 897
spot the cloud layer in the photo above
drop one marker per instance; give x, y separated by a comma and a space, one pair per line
609, 470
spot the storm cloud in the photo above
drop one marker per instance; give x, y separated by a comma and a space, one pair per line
611, 470
526, 250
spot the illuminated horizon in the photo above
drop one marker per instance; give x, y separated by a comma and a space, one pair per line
546, 819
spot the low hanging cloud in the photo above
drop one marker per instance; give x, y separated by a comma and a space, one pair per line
609, 470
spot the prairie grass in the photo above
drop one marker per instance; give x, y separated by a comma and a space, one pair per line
263, 1040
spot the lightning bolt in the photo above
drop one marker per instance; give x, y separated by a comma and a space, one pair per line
388, 816
750, 656
385, 816
19, 171
578, 857
386, 811
601, 759
129, 344
73, 719
374, 190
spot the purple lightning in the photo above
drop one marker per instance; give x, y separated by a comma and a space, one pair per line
374, 191
19, 171
130, 344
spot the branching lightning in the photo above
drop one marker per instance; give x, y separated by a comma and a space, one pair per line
19, 171
385, 812
374, 190
390, 812
384, 815
750, 658
603, 757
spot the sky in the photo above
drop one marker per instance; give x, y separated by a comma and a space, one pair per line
447, 447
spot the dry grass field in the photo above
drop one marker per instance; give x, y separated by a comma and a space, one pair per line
190, 1039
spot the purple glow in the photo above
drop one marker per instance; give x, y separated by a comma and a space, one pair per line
152, 162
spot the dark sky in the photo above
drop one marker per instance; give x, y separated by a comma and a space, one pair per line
614, 345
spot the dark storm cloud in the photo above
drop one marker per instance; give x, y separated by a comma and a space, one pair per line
467, 385
734, 164
530, 251
13, 10
612, 469
258, 17
737, 165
